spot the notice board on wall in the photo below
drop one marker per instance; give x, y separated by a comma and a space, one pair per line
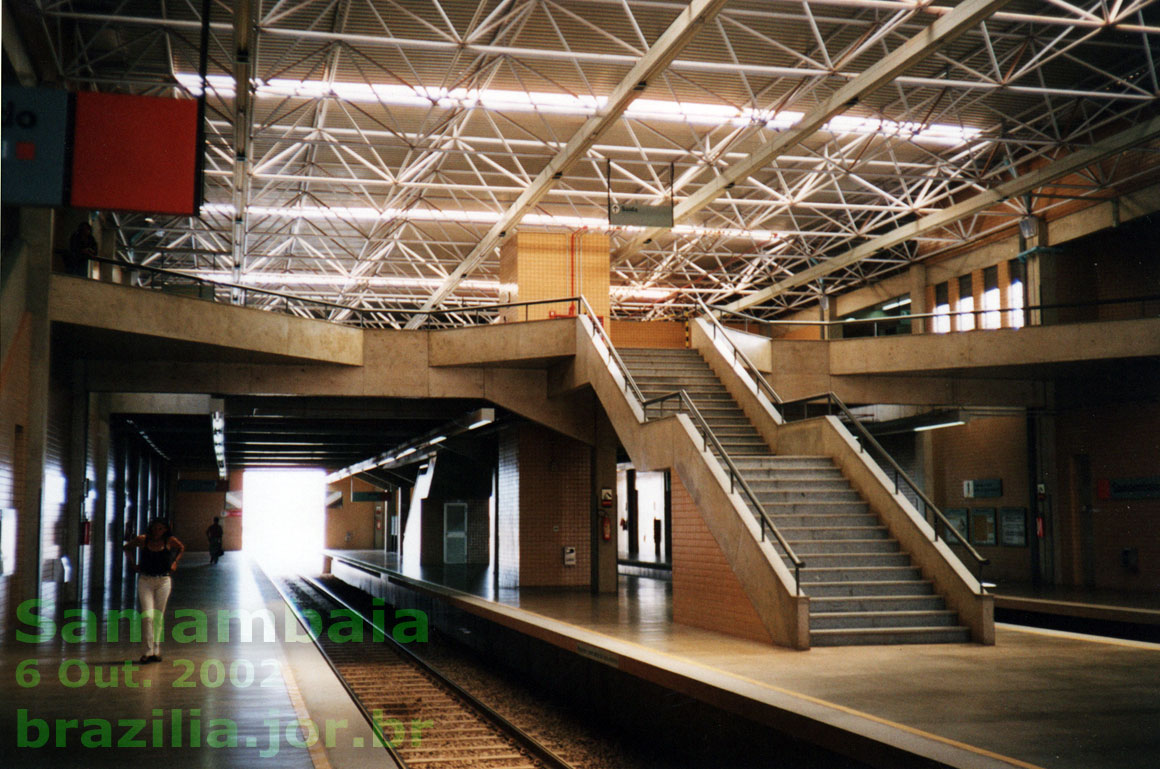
134, 153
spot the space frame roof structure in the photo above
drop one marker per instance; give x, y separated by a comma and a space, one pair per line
373, 153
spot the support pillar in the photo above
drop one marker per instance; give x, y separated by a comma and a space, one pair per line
99, 408
536, 266
77, 473
36, 227
918, 303
604, 551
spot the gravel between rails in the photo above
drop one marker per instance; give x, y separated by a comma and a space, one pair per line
581, 742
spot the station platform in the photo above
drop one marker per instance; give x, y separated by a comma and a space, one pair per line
217, 700
1037, 698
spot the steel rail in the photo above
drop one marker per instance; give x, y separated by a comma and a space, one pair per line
540, 751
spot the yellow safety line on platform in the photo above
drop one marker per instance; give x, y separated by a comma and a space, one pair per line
316, 750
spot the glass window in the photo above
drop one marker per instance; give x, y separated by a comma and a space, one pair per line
942, 309
966, 304
991, 314
1015, 295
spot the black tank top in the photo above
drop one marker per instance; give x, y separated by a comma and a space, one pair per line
155, 563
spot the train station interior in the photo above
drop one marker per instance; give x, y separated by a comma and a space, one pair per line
609, 383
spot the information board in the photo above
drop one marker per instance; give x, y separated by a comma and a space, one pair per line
1013, 526
983, 526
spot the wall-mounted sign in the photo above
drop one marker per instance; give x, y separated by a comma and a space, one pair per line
1128, 488
369, 496
983, 488
983, 526
1013, 526
36, 130
958, 518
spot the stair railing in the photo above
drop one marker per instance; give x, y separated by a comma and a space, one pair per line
739, 356
930, 512
736, 480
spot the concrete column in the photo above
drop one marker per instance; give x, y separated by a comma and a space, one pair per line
918, 304
604, 552
99, 409
828, 313
553, 265
36, 226
77, 473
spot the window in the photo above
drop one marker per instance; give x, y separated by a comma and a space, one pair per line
942, 309
966, 304
991, 314
1015, 295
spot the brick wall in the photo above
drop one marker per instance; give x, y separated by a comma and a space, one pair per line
1122, 442
706, 593
544, 500
664, 334
551, 265
993, 447
555, 497
194, 511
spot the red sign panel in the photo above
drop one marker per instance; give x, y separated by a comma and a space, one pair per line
134, 153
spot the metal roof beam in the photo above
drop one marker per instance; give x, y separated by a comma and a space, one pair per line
1021, 185
910, 53
654, 61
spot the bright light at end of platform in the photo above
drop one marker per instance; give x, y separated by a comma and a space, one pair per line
283, 519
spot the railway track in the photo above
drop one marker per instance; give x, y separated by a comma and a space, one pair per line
426, 720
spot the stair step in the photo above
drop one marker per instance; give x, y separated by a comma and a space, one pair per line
882, 619
806, 495
855, 589
783, 462
802, 533
854, 561
872, 603
889, 636
796, 483
806, 508
860, 574
831, 546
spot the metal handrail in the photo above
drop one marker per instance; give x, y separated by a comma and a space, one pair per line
899, 473
735, 477
928, 315
736, 480
598, 327
359, 313
739, 354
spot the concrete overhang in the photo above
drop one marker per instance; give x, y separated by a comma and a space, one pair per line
116, 322
1004, 353
532, 344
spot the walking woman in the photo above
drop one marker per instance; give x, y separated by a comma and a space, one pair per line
160, 552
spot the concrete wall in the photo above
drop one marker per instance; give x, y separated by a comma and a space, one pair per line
357, 518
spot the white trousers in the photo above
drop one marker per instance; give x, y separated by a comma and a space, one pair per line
153, 594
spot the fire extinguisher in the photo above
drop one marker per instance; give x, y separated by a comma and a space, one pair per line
606, 528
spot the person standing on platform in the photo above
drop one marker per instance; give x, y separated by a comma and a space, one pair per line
160, 552
215, 533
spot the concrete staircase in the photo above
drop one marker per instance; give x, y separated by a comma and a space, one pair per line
863, 589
